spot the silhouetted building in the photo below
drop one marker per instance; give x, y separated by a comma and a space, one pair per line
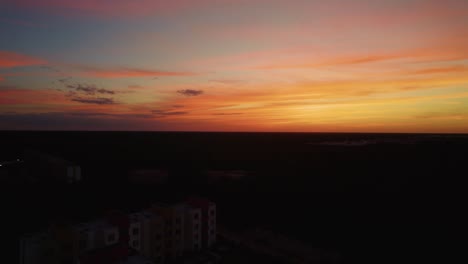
48, 167
35, 247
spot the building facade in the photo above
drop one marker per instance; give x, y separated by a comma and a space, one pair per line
193, 228
208, 219
158, 234
173, 217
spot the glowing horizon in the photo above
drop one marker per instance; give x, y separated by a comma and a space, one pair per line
226, 65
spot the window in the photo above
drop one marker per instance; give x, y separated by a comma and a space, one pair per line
111, 238
212, 212
83, 244
195, 216
212, 232
196, 226
177, 231
49, 252
135, 243
135, 231
195, 237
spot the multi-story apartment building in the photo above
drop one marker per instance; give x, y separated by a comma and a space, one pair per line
147, 235
193, 228
96, 235
135, 231
173, 217
34, 248
159, 234
208, 221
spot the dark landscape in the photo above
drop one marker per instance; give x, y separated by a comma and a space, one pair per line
369, 197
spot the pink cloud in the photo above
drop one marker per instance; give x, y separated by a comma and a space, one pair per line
10, 59
126, 73
450, 48
14, 96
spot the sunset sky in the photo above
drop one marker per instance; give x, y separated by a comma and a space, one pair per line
234, 65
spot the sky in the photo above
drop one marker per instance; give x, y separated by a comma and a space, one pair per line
234, 65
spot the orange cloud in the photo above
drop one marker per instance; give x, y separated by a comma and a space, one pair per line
451, 69
10, 59
316, 105
126, 73
345, 60
450, 50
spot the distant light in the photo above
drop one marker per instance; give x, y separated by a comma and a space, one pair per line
17, 159
1, 165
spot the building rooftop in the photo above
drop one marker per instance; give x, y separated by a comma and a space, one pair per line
36, 237
199, 202
39, 156
95, 225
137, 259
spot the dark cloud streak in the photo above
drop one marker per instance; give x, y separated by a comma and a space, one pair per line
64, 80
89, 89
190, 92
98, 101
164, 113
84, 93
227, 114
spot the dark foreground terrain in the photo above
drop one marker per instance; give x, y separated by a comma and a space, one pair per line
378, 198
